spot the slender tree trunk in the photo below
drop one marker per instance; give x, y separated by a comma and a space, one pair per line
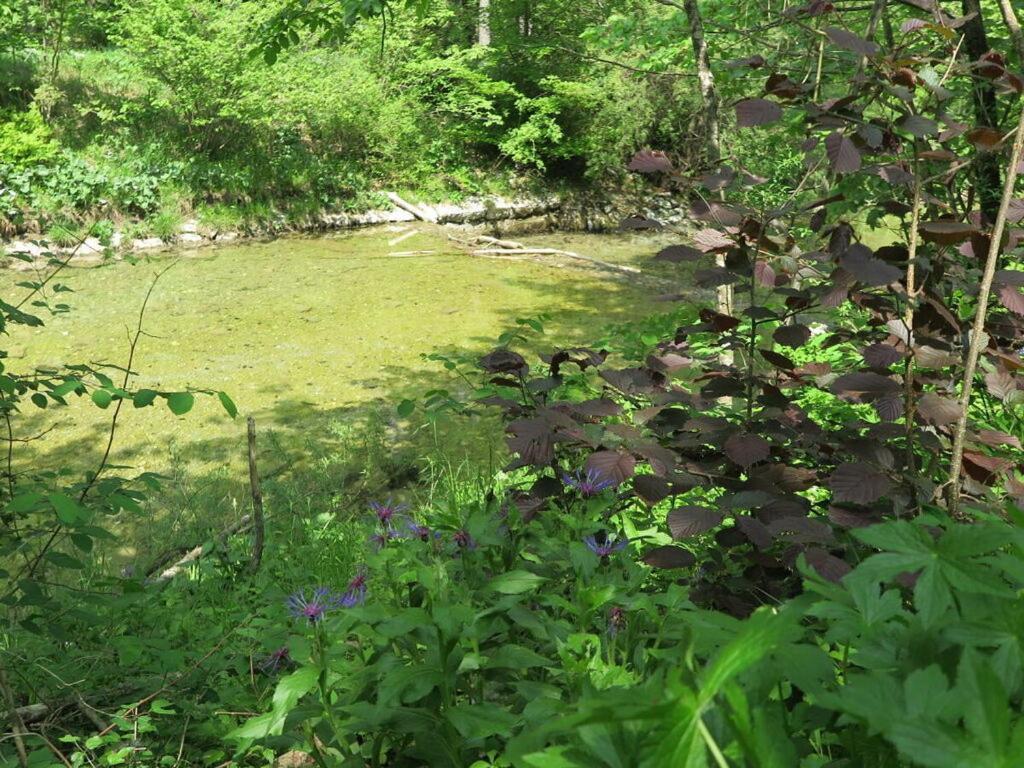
1013, 26
709, 119
706, 81
483, 25
986, 166
980, 313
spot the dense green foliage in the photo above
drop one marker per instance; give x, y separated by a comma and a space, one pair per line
784, 530
166, 108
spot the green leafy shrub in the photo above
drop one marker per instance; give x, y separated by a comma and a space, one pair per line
25, 139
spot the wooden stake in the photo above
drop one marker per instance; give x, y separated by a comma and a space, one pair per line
258, 528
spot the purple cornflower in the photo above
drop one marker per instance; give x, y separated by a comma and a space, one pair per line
616, 620
355, 594
381, 538
609, 545
463, 540
386, 512
277, 660
422, 532
313, 609
587, 484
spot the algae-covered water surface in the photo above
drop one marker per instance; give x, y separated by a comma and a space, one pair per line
303, 333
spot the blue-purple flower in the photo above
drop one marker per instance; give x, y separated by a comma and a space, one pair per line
616, 620
383, 536
587, 484
313, 608
608, 545
463, 540
419, 531
355, 593
276, 661
386, 512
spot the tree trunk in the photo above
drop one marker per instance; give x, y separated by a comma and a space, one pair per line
987, 177
706, 80
483, 24
1013, 26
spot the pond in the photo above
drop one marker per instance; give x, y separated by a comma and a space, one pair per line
309, 335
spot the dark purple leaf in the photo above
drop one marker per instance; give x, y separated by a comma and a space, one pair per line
651, 161
779, 361
946, 232
746, 449
755, 531
800, 530
938, 410
709, 240
634, 381
828, 566
669, 556
918, 125
851, 42
881, 355
651, 488
857, 482
1012, 298
612, 465
860, 262
794, 336
684, 522
842, 154
504, 361
764, 274
754, 112
677, 253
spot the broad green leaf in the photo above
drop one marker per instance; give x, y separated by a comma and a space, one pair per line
405, 408
516, 657
180, 403
144, 397
62, 560
515, 582
69, 511
102, 397
478, 721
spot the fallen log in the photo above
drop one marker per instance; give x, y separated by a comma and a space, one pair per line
415, 210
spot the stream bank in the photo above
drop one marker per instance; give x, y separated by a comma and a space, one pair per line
497, 216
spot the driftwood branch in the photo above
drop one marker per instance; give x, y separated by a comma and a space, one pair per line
196, 552
978, 337
512, 248
415, 210
258, 528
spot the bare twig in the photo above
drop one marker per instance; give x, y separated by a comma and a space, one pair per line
978, 330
